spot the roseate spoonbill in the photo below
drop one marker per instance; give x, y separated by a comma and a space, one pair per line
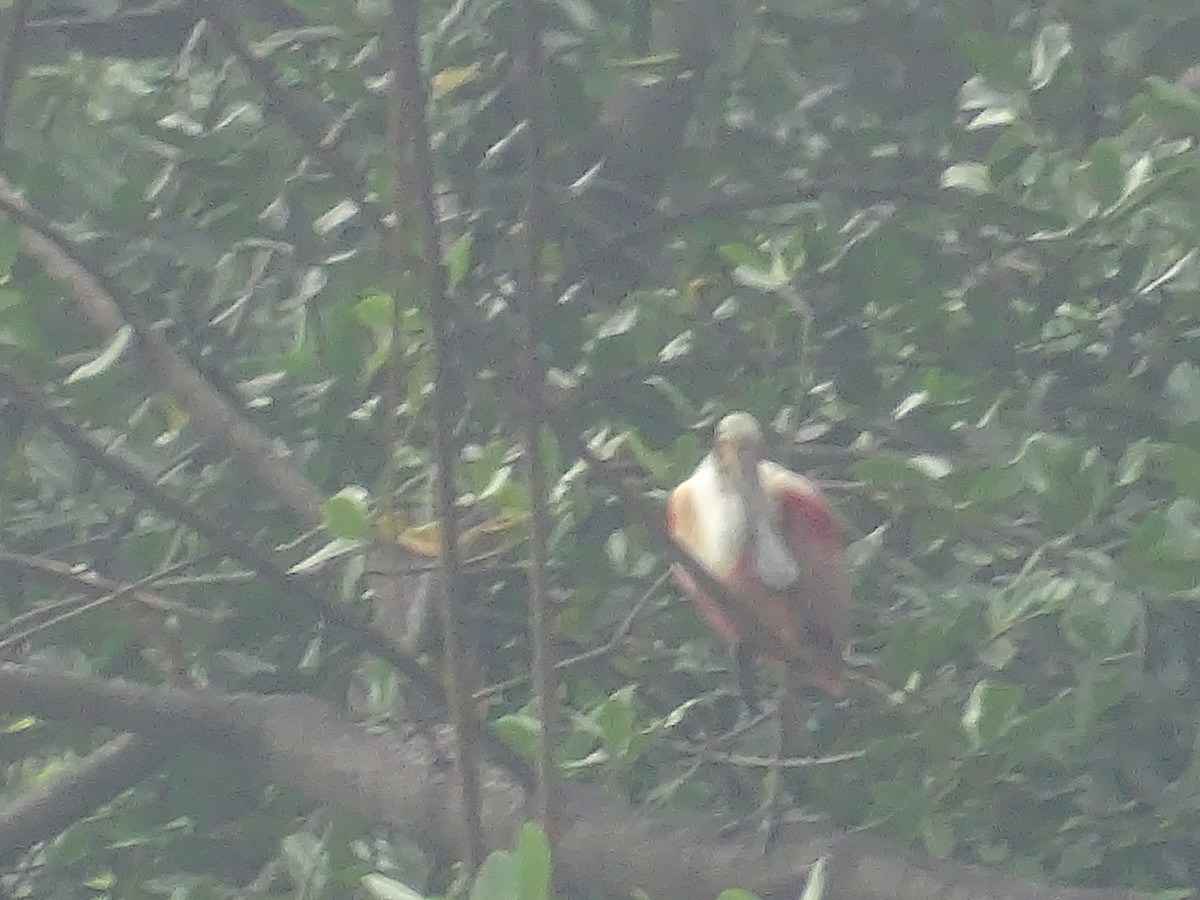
768, 537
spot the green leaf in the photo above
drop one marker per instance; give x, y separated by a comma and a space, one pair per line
380, 887
765, 280
931, 466
519, 731
532, 856
335, 217
736, 894
1170, 273
497, 878
347, 513
333, 550
375, 312
1050, 48
1133, 462
306, 860
1138, 175
458, 259
450, 79
1105, 171
971, 177
938, 836
680, 345
890, 470
1183, 526
581, 14
742, 255
1183, 467
1172, 105
990, 710
620, 322
1100, 620
814, 887
900, 802
107, 357
1183, 393
1079, 856
909, 403
615, 718
976, 93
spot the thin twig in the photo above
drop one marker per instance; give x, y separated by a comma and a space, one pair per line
304, 119
413, 166
10, 58
38, 406
579, 659
98, 589
765, 762
540, 615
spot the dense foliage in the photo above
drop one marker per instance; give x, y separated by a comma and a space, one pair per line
946, 249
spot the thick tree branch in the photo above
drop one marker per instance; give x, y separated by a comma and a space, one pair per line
51, 808
605, 848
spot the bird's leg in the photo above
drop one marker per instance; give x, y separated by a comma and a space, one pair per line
774, 780
746, 677
767, 816
749, 714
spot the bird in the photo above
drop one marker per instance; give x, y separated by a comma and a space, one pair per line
769, 537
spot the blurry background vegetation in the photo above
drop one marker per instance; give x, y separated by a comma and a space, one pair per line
947, 249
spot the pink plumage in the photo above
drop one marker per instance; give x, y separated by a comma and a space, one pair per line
768, 536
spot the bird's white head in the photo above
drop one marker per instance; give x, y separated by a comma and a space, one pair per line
738, 445
737, 449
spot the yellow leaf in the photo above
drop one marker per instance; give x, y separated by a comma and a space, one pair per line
390, 526
450, 79
493, 536
423, 540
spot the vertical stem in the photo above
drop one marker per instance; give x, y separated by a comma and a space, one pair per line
540, 613
10, 60
414, 192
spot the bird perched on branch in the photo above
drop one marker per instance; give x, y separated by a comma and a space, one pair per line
767, 535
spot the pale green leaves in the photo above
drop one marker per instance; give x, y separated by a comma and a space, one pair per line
1050, 48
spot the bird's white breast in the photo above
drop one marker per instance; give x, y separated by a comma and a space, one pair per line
727, 528
721, 515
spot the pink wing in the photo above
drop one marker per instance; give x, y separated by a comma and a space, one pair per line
820, 599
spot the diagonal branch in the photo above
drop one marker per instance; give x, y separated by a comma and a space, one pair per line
50, 808
265, 460
38, 406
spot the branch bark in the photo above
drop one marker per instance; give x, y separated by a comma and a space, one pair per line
605, 848
540, 612
51, 808
413, 169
